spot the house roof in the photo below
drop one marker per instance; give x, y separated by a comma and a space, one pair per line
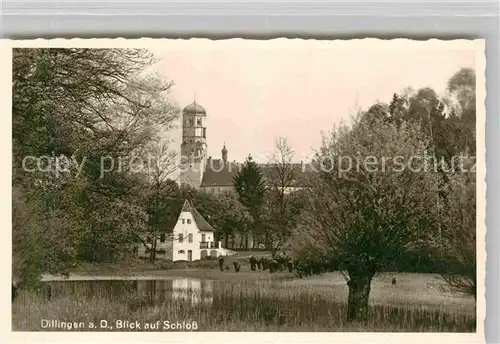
202, 224
219, 174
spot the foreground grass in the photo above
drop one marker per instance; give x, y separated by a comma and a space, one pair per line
417, 303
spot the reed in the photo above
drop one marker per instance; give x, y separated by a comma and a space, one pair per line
263, 305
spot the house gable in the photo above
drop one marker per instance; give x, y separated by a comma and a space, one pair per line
189, 213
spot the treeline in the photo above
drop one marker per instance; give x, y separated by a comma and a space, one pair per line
75, 114
409, 206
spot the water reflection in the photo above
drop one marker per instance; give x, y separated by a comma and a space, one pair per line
190, 290
186, 290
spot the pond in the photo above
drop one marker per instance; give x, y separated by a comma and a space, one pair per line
314, 304
188, 290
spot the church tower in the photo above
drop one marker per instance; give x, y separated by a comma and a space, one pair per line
224, 154
194, 144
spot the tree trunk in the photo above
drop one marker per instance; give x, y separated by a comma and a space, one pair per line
246, 241
153, 248
359, 292
226, 240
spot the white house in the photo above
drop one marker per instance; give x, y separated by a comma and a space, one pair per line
193, 237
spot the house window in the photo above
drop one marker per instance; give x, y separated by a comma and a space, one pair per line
190, 237
203, 238
183, 221
181, 238
162, 237
180, 251
189, 221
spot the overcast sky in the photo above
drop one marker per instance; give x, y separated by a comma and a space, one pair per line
254, 91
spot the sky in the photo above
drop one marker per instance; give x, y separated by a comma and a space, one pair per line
255, 91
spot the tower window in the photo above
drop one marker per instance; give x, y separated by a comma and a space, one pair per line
190, 121
199, 121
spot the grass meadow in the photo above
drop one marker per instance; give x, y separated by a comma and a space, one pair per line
256, 301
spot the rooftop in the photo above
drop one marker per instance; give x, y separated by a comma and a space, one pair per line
219, 174
202, 224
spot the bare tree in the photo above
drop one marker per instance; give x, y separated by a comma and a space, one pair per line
161, 161
282, 176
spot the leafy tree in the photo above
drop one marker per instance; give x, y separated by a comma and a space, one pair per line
449, 121
461, 101
364, 216
250, 187
231, 217
455, 244
84, 107
450, 128
377, 112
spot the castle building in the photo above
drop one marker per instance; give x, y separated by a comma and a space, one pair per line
210, 175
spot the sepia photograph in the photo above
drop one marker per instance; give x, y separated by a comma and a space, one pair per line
238, 185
